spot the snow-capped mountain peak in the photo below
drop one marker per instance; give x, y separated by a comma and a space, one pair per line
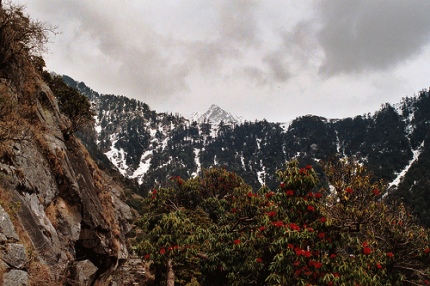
216, 114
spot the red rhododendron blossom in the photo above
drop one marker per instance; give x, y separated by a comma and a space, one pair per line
175, 247
321, 235
290, 193
315, 264
307, 253
294, 226
378, 265
236, 241
311, 195
365, 244
348, 190
308, 167
302, 252
262, 228
376, 192
303, 171
258, 260
318, 195
282, 185
367, 250
278, 223
299, 251
311, 208
162, 250
333, 256
154, 192
147, 256
390, 254
323, 219
271, 214
427, 250
250, 194
290, 246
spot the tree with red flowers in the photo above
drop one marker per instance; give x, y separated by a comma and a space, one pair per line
176, 221
215, 230
379, 242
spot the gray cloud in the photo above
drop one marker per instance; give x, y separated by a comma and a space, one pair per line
298, 51
235, 30
237, 23
143, 64
361, 35
184, 55
278, 67
157, 65
123, 52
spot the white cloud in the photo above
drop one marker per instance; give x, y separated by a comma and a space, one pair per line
260, 59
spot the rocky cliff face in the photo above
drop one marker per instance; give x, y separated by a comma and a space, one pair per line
62, 220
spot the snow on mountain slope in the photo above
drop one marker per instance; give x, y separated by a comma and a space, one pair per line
401, 174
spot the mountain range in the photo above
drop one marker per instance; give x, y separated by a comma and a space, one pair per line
149, 147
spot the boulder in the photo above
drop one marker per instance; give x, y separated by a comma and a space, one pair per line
14, 255
85, 271
15, 278
6, 227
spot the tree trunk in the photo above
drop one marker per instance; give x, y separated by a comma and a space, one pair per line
170, 273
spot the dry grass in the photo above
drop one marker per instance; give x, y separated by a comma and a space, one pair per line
40, 274
10, 206
54, 157
51, 214
2, 271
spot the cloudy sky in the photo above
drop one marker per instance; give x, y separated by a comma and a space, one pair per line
270, 59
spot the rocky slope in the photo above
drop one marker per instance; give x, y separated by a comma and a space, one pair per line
62, 220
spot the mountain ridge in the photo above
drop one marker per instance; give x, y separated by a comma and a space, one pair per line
151, 147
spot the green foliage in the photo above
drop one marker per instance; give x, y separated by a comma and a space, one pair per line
393, 243
72, 103
215, 230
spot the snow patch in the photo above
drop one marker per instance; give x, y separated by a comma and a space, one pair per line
400, 176
145, 163
261, 175
117, 157
197, 161
285, 125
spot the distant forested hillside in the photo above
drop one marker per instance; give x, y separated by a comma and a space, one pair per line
150, 147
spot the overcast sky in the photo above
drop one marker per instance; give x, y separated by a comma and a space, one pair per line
258, 59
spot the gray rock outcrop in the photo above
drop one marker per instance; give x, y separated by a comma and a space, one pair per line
55, 203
